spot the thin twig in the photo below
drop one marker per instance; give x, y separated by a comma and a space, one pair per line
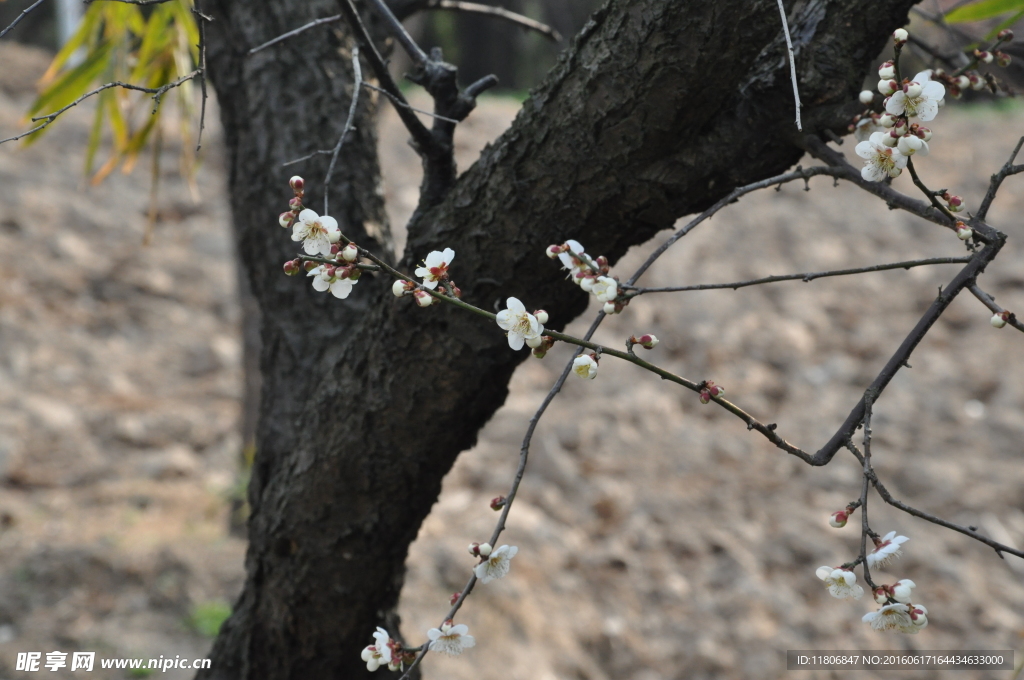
295, 32
21, 16
928, 192
132, 2
395, 27
201, 19
990, 302
406, 104
997, 179
807, 276
865, 528
498, 12
792, 65
356, 89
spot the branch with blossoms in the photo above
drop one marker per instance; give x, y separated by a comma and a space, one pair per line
334, 263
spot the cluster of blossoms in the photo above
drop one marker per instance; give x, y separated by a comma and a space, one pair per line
898, 612
590, 274
434, 273
386, 652
709, 390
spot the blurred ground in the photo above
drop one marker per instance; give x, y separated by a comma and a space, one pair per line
658, 538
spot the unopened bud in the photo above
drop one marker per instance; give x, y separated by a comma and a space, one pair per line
887, 120
295, 204
647, 341
963, 82
705, 396
350, 252
401, 287
963, 232
954, 203
924, 133
900, 128
866, 97
881, 595
498, 503
542, 316
999, 320
553, 252
485, 549
716, 390
335, 248
423, 298
309, 265
540, 353
886, 87
454, 598
913, 90
334, 236
1005, 35
1002, 58
891, 139
887, 71
354, 273
601, 261
297, 184
534, 343
983, 56
610, 308
456, 291
838, 519
954, 92
474, 549
291, 267
977, 82
286, 219
900, 36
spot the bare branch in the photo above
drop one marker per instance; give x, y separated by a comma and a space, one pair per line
21, 16
928, 192
498, 12
997, 179
792, 65
990, 302
201, 20
395, 27
865, 528
806, 277
132, 2
406, 104
356, 89
295, 32
966, 531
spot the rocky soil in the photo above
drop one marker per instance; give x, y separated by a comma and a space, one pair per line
658, 538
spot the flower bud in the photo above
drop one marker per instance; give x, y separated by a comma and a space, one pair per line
540, 353
456, 291
891, 139
485, 549
716, 390
400, 288
983, 56
886, 87
887, 71
839, 519
297, 184
1005, 35
286, 219
309, 265
498, 502
350, 252
291, 267
900, 36
610, 308
954, 203
913, 90
963, 82
586, 283
977, 83
910, 144
881, 594
954, 92
919, 616
601, 261
1002, 58
924, 133
647, 341
900, 128
534, 343
423, 298
963, 232
542, 316
887, 120
454, 598
866, 97
705, 396
999, 320
553, 252
295, 204
474, 549
354, 273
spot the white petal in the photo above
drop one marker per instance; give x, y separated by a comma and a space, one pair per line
865, 149
434, 259
329, 223
431, 284
514, 305
872, 173
897, 103
575, 246
320, 285
927, 109
823, 572
516, 340
448, 255
341, 289
467, 641
505, 319
308, 215
433, 634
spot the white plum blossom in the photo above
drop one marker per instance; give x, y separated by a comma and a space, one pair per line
886, 550
322, 281
919, 617
520, 324
882, 161
451, 640
921, 99
911, 144
435, 267
585, 366
605, 288
496, 565
379, 653
841, 583
901, 590
567, 259
891, 617
316, 233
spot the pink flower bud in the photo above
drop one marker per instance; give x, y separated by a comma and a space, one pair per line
866, 97
309, 265
647, 341
291, 267
423, 298
454, 598
553, 252
976, 81
963, 82
716, 390
542, 316
887, 71
954, 203
297, 184
924, 133
498, 502
839, 519
286, 219
601, 261
350, 252
295, 204
983, 56
963, 232
881, 594
1002, 58
474, 549
887, 120
900, 36
705, 396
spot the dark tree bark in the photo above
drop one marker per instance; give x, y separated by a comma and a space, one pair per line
658, 109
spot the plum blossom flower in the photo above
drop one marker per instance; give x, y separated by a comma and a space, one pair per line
568, 260
891, 617
901, 590
520, 324
605, 288
921, 98
324, 280
841, 583
496, 565
435, 267
886, 550
918, 616
316, 233
882, 161
379, 653
585, 366
451, 640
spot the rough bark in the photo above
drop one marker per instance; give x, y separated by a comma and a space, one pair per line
657, 110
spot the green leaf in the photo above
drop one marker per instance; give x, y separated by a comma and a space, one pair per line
70, 86
1004, 24
985, 9
95, 134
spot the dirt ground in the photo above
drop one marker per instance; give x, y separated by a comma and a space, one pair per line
658, 538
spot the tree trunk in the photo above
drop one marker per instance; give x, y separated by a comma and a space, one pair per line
657, 110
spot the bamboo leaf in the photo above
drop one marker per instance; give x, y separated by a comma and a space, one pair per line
985, 9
